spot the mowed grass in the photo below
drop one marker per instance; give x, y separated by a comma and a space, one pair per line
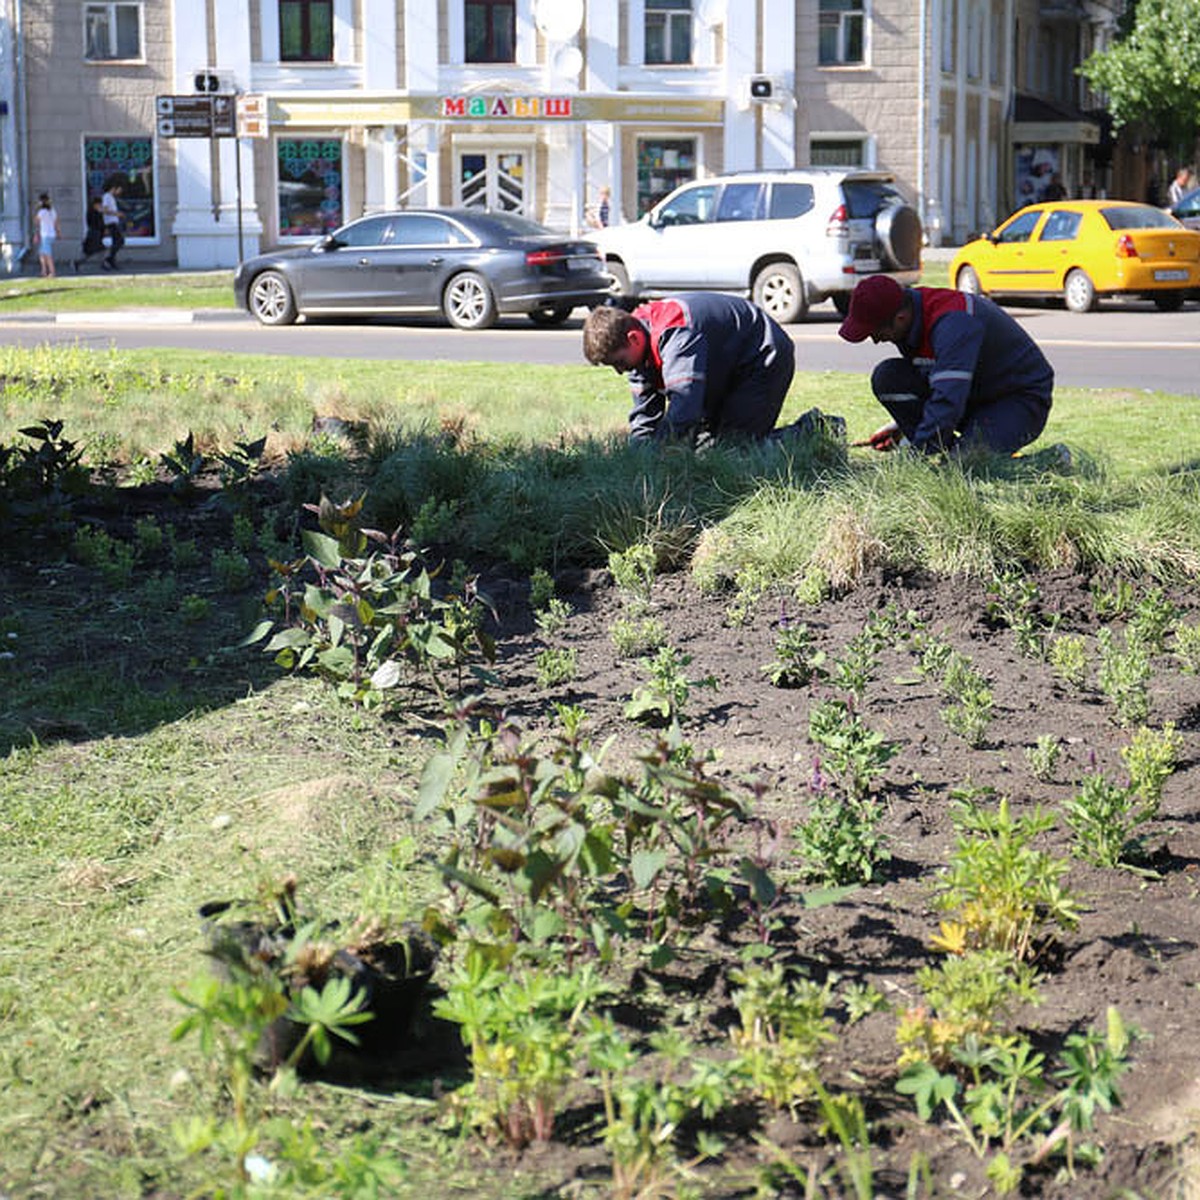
131, 793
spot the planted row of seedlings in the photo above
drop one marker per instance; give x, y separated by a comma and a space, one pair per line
568, 884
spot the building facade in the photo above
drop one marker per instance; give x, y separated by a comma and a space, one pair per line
355, 106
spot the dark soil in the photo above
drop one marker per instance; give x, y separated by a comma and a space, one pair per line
1137, 945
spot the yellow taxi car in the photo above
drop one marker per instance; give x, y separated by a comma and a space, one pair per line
1082, 250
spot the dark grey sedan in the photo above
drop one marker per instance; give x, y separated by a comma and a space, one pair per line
471, 265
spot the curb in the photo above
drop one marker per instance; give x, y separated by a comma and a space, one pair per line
115, 316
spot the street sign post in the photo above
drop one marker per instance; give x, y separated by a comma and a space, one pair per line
208, 116
196, 116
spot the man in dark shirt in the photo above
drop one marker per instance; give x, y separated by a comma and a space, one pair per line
699, 363
970, 376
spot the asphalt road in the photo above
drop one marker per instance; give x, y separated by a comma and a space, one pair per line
1127, 345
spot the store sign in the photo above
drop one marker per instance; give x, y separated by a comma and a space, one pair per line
490, 108
332, 112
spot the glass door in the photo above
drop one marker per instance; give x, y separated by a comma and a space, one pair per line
493, 179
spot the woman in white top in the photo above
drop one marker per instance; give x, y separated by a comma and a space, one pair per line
45, 230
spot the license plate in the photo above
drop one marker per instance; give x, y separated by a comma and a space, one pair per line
1170, 276
582, 264
866, 266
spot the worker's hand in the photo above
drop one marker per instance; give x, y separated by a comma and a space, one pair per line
885, 438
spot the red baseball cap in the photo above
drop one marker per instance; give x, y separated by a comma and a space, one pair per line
875, 301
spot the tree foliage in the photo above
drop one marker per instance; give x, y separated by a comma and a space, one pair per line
1153, 73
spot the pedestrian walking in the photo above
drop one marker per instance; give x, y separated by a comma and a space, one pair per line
45, 232
112, 223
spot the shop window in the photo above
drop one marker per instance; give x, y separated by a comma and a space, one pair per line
131, 161
662, 165
491, 27
306, 30
309, 190
840, 25
836, 152
112, 32
668, 31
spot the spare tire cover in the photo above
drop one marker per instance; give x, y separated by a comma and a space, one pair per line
899, 231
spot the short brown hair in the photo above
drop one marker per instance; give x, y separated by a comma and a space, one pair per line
605, 332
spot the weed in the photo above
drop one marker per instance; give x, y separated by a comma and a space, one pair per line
642, 1111
1013, 602
541, 588
557, 665
663, 700
633, 571
785, 1022
365, 615
1112, 601
970, 993
1069, 659
231, 570
1001, 892
1151, 758
243, 535
1124, 677
554, 618
1105, 818
194, 608
861, 1000
854, 754
1043, 756
797, 661
1151, 619
521, 1030
148, 537
633, 637
839, 841
855, 667
1187, 648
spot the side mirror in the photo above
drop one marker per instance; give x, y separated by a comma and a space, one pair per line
328, 242
654, 220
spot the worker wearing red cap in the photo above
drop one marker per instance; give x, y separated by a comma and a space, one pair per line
970, 376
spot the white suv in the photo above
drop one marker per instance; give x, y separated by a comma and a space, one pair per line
786, 238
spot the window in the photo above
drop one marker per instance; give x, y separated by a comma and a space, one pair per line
112, 31
662, 166
691, 207
1019, 229
742, 202
130, 160
491, 31
421, 229
306, 30
840, 32
1061, 227
374, 231
668, 31
790, 200
310, 186
835, 152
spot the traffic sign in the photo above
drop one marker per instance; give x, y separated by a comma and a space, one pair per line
196, 116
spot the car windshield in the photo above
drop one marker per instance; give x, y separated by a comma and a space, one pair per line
1138, 218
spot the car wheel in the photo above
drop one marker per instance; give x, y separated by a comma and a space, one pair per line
1079, 291
620, 279
779, 290
968, 281
554, 315
898, 228
271, 299
1169, 301
468, 302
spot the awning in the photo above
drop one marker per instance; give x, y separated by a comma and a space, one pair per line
1039, 121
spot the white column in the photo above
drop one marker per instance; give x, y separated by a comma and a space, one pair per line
194, 226
779, 61
233, 56
602, 139
380, 74
741, 133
